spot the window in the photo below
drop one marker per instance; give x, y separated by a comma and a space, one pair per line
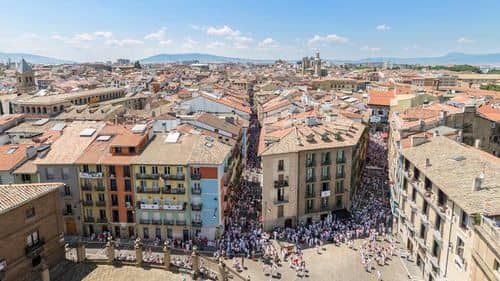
128, 185
145, 232
325, 186
281, 165
280, 211
118, 150
324, 202
180, 170
85, 168
423, 231
131, 149
130, 216
325, 172
280, 194
158, 233
112, 171
310, 174
49, 172
464, 220
88, 197
166, 170
459, 250
30, 212
437, 223
114, 200
340, 156
101, 197
65, 173
25, 178
67, 190
340, 171
126, 171
112, 184
69, 209
496, 266
310, 190
128, 199
414, 194
154, 170
196, 170
338, 202
339, 186
98, 168
142, 169
102, 214
309, 205
425, 208
436, 251
325, 158
32, 239
310, 159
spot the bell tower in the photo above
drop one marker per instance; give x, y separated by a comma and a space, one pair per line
25, 78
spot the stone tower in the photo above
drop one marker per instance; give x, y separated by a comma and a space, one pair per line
317, 64
25, 78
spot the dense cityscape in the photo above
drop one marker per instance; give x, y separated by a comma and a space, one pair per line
204, 167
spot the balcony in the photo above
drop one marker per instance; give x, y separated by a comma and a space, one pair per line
90, 175
280, 183
180, 222
170, 190
196, 191
89, 219
86, 187
174, 207
145, 221
325, 177
100, 203
144, 206
168, 222
341, 160
99, 188
142, 189
195, 177
196, 223
196, 206
310, 179
310, 194
179, 177
102, 220
324, 207
310, 163
35, 248
281, 200
326, 162
156, 221
340, 175
88, 203
309, 210
144, 176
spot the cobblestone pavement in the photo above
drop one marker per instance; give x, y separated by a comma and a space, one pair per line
333, 264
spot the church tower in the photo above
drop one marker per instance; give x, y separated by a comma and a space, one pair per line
317, 64
25, 78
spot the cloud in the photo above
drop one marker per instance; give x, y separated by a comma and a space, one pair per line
268, 43
57, 37
241, 42
189, 44
465, 40
165, 42
158, 35
123, 42
83, 37
103, 34
222, 31
370, 49
330, 38
29, 36
216, 45
383, 27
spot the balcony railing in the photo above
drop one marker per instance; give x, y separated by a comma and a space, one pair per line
156, 221
340, 175
180, 177
145, 206
167, 190
310, 163
281, 200
195, 190
87, 203
99, 188
174, 207
310, 194
195, 177
280, 183
325, 177
197, 223
196, 207
35, 247
142, 189
90, 175
324, 207
168, 222
326, 162
86, 187
145, 221
100, 203
341, 160
89, 219
180, 222
310, 179
102, 220
145, 176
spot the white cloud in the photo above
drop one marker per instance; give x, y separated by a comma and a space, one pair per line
222, 31
383, 27
189, 44
165, 42
103, 34
28, 36
464, 40
241, 42
216, 45
330, 38
83, 37
57, 37
268, 43
197, 27
123, 42
370, 49
158, 35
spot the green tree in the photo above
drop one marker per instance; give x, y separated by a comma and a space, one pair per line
137, 65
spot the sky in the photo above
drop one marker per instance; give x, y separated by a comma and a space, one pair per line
94, 30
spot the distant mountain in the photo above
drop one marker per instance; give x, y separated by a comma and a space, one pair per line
450, 58
30, 58
165, 58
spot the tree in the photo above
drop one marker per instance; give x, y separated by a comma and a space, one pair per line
137, 65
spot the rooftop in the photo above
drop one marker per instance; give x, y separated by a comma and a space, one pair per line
16, 195
455, 178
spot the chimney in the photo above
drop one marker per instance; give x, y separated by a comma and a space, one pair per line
477, 143
427, 162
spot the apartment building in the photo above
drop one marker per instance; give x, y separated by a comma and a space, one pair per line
105, 180
178, 180
31, 229
442, 190
310, 169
